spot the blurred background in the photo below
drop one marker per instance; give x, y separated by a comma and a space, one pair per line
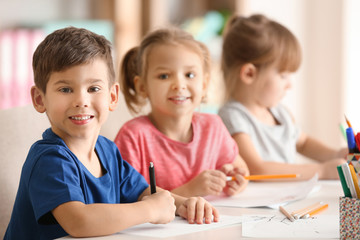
324, 89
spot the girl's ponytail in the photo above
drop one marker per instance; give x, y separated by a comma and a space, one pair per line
129, 69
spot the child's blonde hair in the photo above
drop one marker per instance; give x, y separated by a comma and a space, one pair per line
135, 62
260, 41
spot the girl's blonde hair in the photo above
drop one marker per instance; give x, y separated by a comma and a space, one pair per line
260, 41
135, 62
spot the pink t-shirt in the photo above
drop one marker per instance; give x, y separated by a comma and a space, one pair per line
140, 143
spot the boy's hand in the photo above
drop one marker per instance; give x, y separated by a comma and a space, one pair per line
234, 186
162, 205
209, 182
196, 210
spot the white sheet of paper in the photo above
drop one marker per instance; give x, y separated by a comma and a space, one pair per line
179, 226
276, 226
267, 194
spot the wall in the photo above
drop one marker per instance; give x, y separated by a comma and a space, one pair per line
38, 11
351, 35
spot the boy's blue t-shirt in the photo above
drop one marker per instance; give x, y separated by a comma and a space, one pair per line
52, 175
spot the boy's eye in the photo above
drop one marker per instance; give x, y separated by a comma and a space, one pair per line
94, 89
190, 75
65, 90
163, 76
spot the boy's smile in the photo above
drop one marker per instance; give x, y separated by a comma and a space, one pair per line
81, 119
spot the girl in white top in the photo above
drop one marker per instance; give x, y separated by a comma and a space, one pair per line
258, 57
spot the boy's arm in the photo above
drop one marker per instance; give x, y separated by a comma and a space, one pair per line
257, 165
314, 149
86, 220
195, 209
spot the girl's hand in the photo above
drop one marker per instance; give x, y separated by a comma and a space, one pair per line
162, 205
328, 169
239, 183
342, 153
209, 182
196, 210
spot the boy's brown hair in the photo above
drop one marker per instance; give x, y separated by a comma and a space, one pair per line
66, 48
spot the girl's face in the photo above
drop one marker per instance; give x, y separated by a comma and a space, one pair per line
271, 86
175, 81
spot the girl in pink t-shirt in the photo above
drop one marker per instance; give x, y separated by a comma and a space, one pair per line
193, 153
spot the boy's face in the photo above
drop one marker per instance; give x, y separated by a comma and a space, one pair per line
77, 100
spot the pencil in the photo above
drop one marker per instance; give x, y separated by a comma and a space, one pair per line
303, 211
347, 121
349, 125
288, 215
278, 176
263, 177
315, 211
152, 178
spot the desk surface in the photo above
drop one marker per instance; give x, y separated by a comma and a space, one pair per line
329, 192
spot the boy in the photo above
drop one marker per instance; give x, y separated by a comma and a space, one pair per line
73, 179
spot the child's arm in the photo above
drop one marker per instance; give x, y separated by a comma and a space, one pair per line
213, 182
194, 209
257, 165
314, 149
208, 182
85, 220
237, 169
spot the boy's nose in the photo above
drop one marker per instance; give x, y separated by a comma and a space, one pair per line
81, 100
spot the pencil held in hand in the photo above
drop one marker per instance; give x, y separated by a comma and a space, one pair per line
152, 178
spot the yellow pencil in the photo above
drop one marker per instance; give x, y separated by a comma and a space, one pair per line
349, 124
315, 211
263, 177
355, 180
301, 212
347, 121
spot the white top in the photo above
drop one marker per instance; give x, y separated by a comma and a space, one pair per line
273, 143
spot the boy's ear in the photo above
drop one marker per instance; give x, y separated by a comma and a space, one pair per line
114, 96
37, 97
248, 73
140, 87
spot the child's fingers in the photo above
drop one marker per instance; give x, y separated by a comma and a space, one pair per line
190, 209
200, 203
227, 169
209, 213
240, 171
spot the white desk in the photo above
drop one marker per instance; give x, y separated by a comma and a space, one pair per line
329, 192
